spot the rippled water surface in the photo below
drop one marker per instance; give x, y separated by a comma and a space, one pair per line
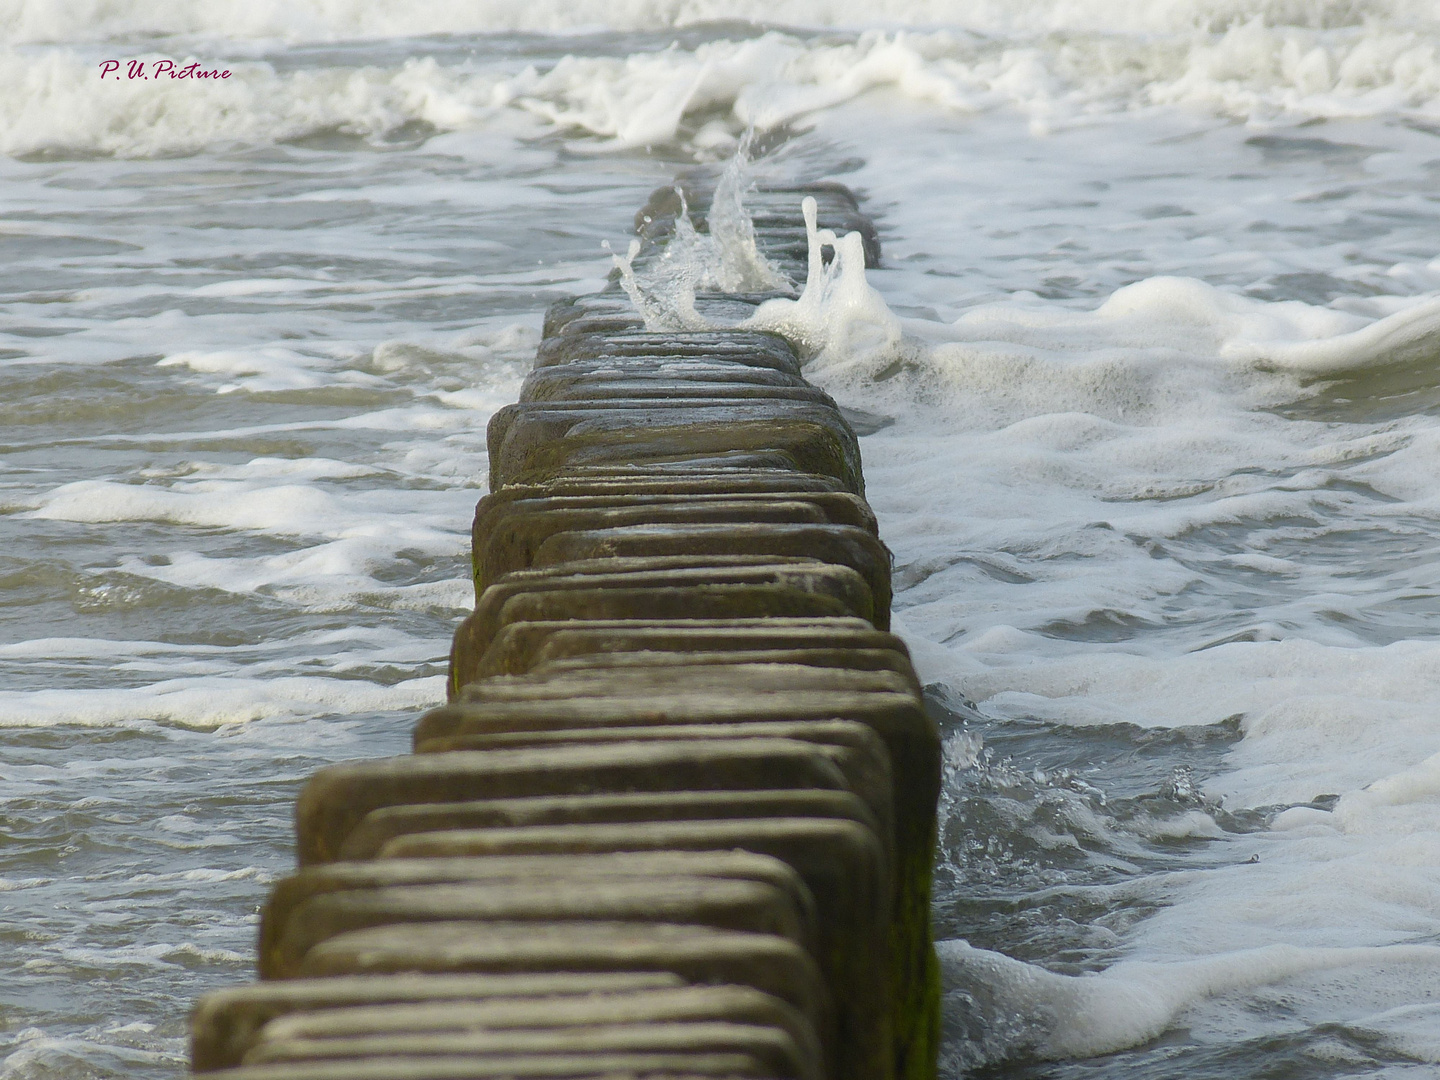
1159, 336
244, 402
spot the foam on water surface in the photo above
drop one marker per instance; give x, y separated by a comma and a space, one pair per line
1060, 63
325, 20
1136, 535
1132, 1002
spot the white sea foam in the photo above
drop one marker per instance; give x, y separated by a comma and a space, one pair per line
1132, 1002
36, 1051
340, 651
344, 536
301, 509
1409, 1031
209, 703
1098, 360
269, 368
327, 20
1078, 61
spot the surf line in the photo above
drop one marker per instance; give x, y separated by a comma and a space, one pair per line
678, 814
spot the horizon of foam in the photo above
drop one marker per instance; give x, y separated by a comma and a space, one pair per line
297, 21
703, 97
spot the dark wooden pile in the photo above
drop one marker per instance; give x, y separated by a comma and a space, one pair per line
677, 819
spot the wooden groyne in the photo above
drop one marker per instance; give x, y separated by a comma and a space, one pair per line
678, 816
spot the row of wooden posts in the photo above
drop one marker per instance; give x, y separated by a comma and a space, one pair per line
678, 816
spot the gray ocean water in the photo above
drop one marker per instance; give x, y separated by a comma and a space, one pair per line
1172, 585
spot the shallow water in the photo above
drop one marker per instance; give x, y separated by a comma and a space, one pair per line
1160, 487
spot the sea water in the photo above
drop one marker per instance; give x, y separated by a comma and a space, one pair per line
1158, 328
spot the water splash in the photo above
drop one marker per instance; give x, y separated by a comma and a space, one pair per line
663, 292
738, 264
725, 259
838, 314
